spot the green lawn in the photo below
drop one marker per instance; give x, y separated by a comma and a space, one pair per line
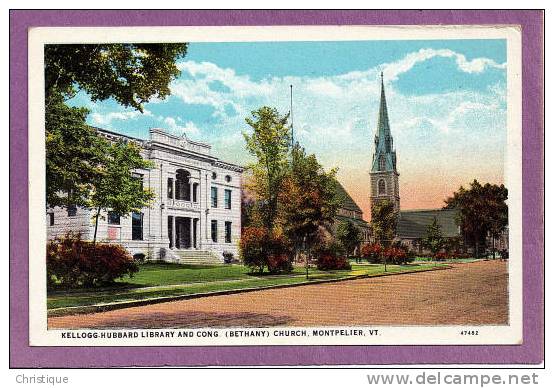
163, 280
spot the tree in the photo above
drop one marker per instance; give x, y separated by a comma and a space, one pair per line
114, 186
73, 152
131, 74
269, 144
308, 200
383, 222
433, 239
482, 211
349, 236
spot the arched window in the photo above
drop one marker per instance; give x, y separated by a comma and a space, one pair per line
382, 163
182, 185
382, 188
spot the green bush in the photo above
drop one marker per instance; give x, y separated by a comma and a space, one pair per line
73, 262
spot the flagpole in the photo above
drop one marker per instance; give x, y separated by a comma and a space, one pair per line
291, 119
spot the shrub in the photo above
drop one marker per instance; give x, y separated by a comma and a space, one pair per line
140, 258
329, 262
279, 262
228, 257
253, 247
457, 255
372, 252
441, 256
73, 262
259, 248
395, 255
330, 258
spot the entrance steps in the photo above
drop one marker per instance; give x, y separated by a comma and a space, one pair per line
185, 256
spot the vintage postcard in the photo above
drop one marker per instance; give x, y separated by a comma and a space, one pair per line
285, 185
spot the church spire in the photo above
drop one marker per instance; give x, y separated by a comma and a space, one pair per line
383, 174
384, 157
383, 122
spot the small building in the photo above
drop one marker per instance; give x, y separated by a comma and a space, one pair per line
412, 226
196, 213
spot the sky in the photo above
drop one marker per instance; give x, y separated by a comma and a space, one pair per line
446, 102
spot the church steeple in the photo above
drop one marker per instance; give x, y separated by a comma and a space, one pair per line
383, 174
384, 157
383, 121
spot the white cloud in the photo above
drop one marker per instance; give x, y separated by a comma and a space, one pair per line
107, 118
189, 128
478, 65
339, 112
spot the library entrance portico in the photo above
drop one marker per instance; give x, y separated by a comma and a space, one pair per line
182, 232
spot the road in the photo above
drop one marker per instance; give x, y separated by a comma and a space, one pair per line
467, 294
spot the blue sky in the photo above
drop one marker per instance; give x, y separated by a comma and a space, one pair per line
446, 99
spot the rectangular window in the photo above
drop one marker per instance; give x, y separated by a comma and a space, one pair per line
71, 211
170, 188
195, 192
214, 196
227, 231
51, 218
137, 226
227, 199
113, 218
214, 230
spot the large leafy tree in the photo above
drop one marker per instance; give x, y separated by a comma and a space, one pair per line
269, 144
482, 211
348, 235
308, 200
114, 186
73, 152
131, 74
433, 239
383, 222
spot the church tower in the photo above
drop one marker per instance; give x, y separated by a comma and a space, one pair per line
383, 175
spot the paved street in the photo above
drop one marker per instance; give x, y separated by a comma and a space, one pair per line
474, 293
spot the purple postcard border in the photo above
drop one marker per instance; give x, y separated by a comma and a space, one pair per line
530, 352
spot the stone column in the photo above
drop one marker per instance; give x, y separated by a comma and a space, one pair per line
174, 231
191, 232
195, 233
173, 188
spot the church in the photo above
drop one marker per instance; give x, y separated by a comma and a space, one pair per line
384, 185
194, 218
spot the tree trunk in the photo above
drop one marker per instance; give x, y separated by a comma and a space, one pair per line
307, 266
96, 226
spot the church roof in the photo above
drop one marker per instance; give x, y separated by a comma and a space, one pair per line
346, 200
356, 221
413, 223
